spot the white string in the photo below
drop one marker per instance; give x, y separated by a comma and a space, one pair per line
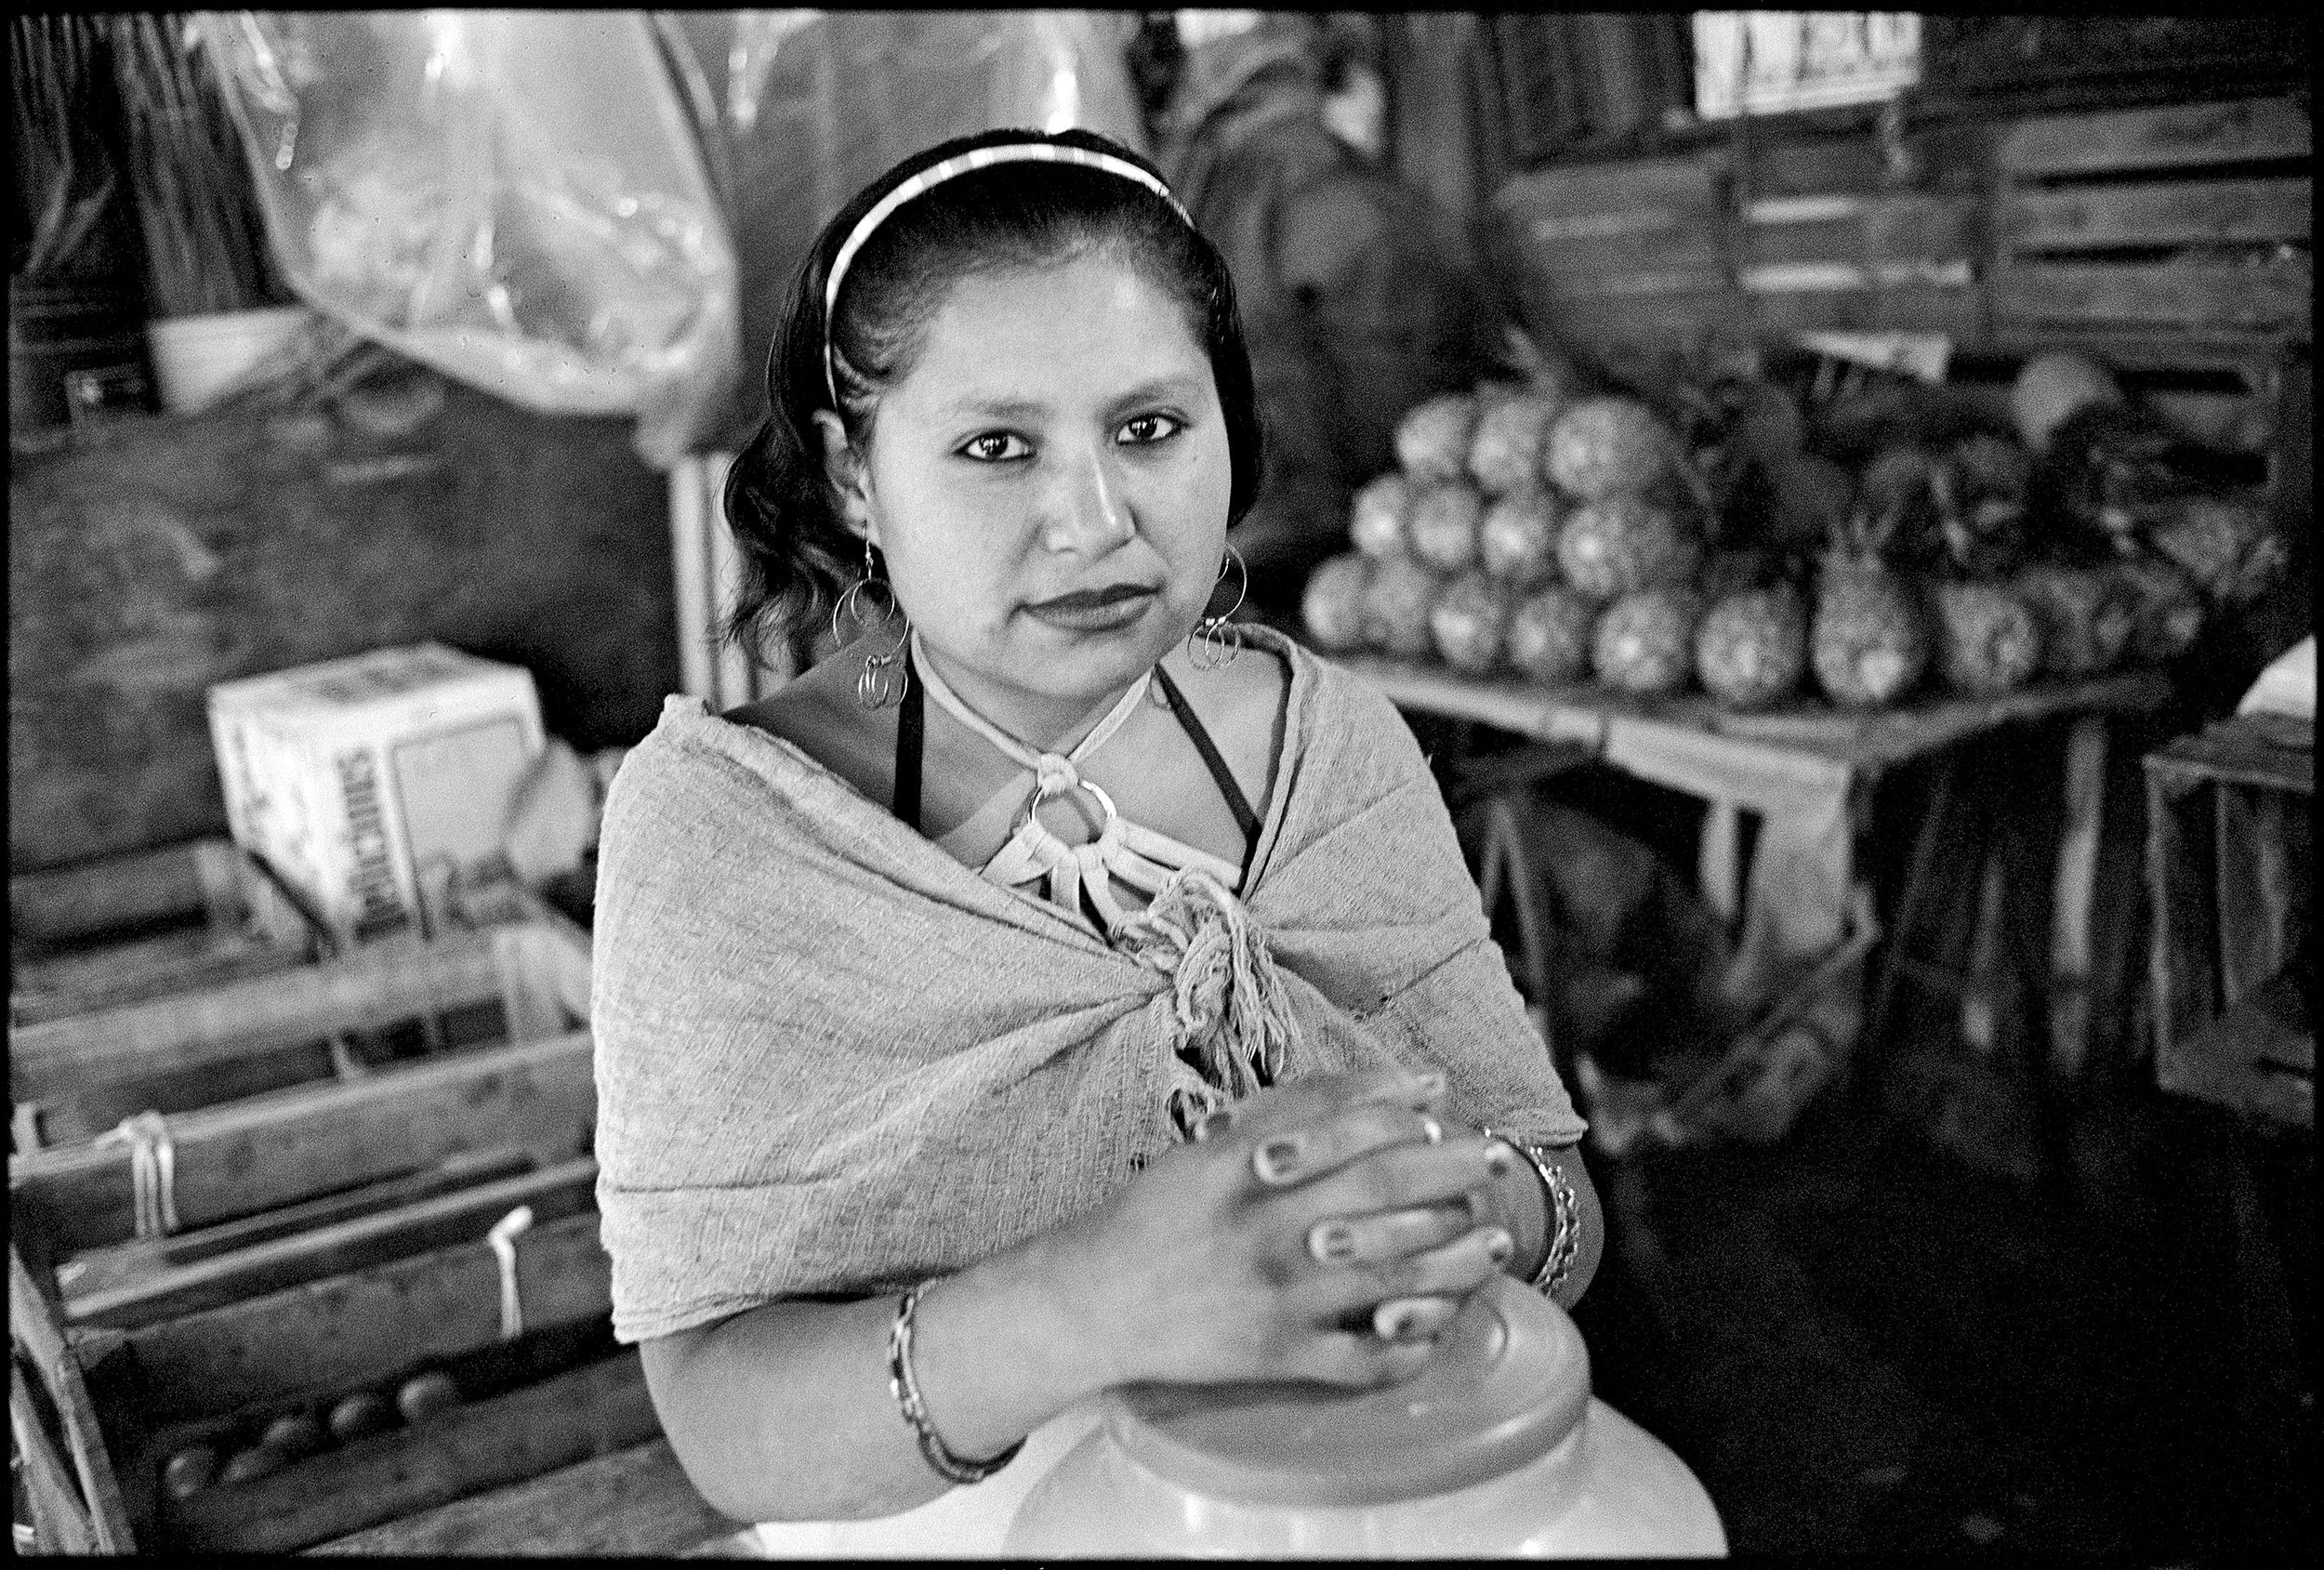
1041, 763
153, 1171
503, 1241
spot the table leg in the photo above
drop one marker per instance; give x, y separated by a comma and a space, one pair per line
1720, 860
1909, 898
2076, 878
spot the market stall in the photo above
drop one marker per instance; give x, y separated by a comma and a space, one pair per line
1830, 492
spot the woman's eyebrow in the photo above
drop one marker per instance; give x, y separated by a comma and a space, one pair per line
998, 408
1179, 387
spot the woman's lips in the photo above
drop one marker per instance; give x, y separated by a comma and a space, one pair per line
1096, 609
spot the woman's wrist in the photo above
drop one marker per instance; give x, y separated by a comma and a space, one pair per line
995, 1354
1521, 1204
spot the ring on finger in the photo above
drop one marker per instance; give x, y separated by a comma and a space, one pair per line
1432, 1130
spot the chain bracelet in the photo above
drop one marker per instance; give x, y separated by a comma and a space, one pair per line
1564, 1216
906, 1390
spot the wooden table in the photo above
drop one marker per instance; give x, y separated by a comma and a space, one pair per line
1807, 769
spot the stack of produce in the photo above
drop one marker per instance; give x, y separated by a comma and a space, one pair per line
1538, 530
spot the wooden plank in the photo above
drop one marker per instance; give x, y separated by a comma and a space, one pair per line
593, 1410
635, 1501
1688, 183
2240, 422
355, 1244
68, 904
88, 980
117, 1265
2234, 749
1858, 305
1861, 230
2276, 296
375, 987
60, 1523
2177, 212
36, 1334
2178, 136
366, 1325
256, 1154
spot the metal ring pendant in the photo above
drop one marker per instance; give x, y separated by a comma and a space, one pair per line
1041, 793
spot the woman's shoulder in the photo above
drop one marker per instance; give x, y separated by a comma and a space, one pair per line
816, 713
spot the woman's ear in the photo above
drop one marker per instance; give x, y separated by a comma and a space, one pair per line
843, 468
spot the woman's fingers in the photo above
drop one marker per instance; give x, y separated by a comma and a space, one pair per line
1402, 1176
1340, 1240
1360, 1359
1344, 1294
1413, 1319
1289, 1106
1301, 1154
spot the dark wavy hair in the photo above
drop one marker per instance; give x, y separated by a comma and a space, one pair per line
796, 553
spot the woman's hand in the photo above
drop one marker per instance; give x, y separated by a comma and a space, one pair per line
1325, 1232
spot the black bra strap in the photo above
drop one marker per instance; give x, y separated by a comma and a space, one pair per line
911, 738
1237, 802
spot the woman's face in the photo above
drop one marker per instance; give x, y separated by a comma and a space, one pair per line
1049, 487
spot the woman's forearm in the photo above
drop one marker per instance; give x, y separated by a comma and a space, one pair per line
783, 1413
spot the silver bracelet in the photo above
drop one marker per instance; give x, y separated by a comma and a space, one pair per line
1564, 1216
906, 1390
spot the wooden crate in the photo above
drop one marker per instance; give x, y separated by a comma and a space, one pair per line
72, 1078
1621, 257
335, 1239
133, 927
1851, 260
2137, 230
2229, 864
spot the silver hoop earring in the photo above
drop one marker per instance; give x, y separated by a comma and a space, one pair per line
1216, 642
851, 608
883, 679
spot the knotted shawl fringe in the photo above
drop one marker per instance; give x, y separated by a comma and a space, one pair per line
1235, 1024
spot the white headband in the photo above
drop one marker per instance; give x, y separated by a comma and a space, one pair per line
962, 164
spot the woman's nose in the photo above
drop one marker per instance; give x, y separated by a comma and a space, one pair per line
1087, 511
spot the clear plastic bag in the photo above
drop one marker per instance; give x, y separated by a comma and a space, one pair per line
515, 198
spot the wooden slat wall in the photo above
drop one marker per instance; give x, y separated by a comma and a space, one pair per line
2240, 131
2191, 221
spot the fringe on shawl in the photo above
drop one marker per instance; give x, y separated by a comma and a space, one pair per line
1235, 1024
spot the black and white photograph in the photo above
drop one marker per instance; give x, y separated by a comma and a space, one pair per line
1046, 785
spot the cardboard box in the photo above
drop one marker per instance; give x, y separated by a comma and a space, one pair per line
371, 783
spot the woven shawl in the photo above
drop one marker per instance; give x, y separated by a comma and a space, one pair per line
832, 1060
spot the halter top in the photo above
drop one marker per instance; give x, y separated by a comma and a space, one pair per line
1033, 861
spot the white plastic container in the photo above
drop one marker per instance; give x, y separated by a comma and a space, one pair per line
198, 359
1497, 1450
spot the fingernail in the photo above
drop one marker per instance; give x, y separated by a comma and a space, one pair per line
1277, 1160
1211, 1123
1331, 1240
1393, 1321
1499, 1245
1497, 1160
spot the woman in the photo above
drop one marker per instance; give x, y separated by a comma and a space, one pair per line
1038, 994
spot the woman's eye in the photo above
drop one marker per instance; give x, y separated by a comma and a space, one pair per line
1148, 428
995, 447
